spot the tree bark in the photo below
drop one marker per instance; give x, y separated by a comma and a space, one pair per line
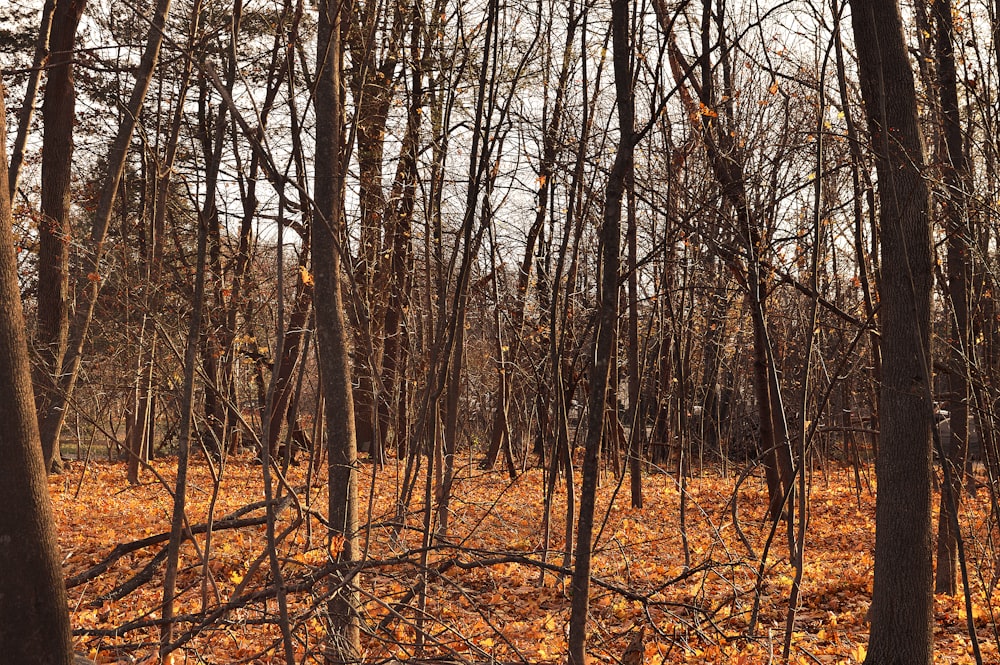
344, 644
902, 608
51, 422
31, 91
606, 332
958, 244
55, 228
34, 620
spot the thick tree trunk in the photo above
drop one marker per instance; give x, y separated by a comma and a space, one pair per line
34, 620
55, 228
51, 421
902, 607
344, 641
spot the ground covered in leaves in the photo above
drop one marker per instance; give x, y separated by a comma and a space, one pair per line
491, 591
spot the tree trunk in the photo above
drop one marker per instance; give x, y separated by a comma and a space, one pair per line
344, 645
728, 167
398, 269
177, 521
958, 236
372, 84
140, 437
454, 347
51, 422
902, 608
55, 228
606, 332
31, 91
34, 620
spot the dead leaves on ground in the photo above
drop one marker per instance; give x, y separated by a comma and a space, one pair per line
487, 597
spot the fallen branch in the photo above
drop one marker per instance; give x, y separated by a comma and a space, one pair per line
231, 521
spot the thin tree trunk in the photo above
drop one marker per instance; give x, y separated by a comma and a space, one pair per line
610, 236
958, 240
729, 170
344, 638
140, 439
454, 350
372, 85
636, 429
399, 274
31, 91
177, 521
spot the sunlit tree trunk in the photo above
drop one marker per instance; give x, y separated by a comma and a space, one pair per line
34, 619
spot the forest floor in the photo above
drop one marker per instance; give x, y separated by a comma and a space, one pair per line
486, 600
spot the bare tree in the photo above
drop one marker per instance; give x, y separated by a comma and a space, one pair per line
901, 612
56, 229
331, 331
51, 421
34, 619
956, 213
607, 325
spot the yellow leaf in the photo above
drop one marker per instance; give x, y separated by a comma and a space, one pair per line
306, 276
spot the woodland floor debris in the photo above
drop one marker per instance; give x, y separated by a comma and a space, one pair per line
487, 598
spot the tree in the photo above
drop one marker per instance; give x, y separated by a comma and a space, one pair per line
34, 620
28, 105
55, 229
331, 330
901, 612
88, 287
956, 180
606, 330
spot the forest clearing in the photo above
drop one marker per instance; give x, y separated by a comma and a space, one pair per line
493, 604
